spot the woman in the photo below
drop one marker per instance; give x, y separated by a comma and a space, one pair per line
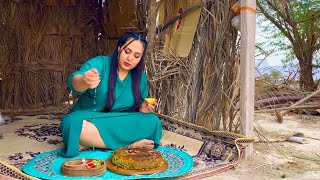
111, 111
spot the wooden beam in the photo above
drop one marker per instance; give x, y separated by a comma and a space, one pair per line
281, 113
313, 106
247, 70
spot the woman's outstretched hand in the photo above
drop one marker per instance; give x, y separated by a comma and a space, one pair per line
92, 78
147, 108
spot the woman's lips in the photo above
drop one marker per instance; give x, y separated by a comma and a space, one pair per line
126, 64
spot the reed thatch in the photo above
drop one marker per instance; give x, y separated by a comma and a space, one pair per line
204, 87
41, 45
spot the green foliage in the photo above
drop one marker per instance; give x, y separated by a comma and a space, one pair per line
293, 20
275, 75
272, 41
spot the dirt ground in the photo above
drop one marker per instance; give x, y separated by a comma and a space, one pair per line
279, 158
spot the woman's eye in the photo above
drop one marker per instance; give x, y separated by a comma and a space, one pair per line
127, 51
137, 56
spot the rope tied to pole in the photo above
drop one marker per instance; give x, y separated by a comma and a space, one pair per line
248, 8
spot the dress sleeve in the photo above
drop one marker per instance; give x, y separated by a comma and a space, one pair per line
96, 62
144, 86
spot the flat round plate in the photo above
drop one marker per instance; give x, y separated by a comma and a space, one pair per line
127, 172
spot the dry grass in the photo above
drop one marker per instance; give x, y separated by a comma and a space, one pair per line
204, 87
40, 46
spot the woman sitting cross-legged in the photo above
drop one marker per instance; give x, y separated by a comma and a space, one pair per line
111, 111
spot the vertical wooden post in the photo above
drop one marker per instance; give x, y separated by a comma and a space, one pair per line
151, 37
247, 69
152, 14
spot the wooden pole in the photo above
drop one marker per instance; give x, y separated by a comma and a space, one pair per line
247, 69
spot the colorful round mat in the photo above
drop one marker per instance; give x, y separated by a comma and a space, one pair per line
48, 165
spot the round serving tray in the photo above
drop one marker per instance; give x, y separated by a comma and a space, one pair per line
127, 172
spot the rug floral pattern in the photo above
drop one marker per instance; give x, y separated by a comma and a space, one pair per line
214, 152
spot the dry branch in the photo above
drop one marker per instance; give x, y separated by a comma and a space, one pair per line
281, 113
315, 106
283, 99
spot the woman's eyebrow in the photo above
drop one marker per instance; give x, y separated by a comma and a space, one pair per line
127, 48
131, 50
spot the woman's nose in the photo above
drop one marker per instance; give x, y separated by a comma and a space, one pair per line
130, 57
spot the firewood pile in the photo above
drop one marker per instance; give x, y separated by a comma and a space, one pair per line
283, 97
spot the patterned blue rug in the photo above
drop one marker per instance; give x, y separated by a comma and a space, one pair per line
48, 165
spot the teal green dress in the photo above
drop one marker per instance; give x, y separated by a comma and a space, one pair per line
119, 127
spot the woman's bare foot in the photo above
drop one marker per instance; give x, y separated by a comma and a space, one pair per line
82, 147
145, 143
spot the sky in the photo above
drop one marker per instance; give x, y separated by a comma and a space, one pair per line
274, 61
265, 65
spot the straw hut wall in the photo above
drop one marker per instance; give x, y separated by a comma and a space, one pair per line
40, 45
202, 88
42, 42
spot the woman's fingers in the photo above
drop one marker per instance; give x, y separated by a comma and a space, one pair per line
93, 74
94, 71
92, 78
93, 84
151, 146
151, 107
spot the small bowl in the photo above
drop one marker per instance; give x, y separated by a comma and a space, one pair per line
84, 167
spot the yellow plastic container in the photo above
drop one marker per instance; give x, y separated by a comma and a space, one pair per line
150, 100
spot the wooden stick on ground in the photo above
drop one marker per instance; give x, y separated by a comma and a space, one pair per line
280, 114
313, 106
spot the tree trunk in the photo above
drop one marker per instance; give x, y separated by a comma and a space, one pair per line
306, 80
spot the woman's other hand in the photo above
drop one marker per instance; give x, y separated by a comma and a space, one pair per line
147, 108
91, 78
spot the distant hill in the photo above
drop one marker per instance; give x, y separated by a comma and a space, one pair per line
264, 68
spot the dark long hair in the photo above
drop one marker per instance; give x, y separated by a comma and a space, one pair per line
135, 72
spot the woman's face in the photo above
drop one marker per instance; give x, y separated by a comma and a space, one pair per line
130, 56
